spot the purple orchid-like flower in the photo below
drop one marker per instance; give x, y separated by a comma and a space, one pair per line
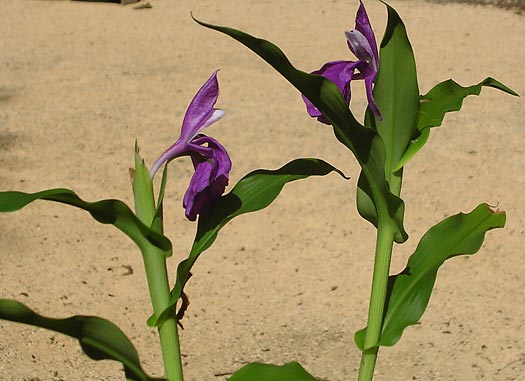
210, 160
362, 43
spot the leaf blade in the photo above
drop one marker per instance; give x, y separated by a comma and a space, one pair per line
396, 95
109, 211
396, 92
365, 143
99, 338
253, 192
443, 98
410, 290
292, 371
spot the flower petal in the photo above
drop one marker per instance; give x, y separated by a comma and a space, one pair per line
172, 152
362, 24
196, 198
362, 43
218, 154
340, 73
214, 116
360, 46
371, 102
210, 179
200, 113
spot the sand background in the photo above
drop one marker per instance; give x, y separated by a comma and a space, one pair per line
79, 82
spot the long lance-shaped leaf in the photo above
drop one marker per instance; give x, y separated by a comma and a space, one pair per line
113, 212
409, 291
253, 192
292, 371
99, 338
445, 97
396, 94
365, 143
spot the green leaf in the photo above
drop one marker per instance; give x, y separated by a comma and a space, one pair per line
397, 97
321, 92
448, 96
158, 222
396, 94
142, 191
99, 338
292, 371
445, 97
113, 212
409, 291
365, 143
419, 140
253, 192
162, 189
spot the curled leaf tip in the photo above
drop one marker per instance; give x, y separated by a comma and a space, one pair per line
494, 209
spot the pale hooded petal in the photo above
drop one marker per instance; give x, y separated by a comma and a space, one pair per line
360, 46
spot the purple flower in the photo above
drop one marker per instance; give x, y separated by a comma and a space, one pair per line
210, 160
362, 43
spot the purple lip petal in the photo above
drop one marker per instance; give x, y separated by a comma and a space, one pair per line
340, 73
209, 180
218, 154
196, 197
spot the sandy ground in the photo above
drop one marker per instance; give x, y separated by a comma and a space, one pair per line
79, 82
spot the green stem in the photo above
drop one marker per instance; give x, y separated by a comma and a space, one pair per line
156, 274
384, 243
156, 271
395, 182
